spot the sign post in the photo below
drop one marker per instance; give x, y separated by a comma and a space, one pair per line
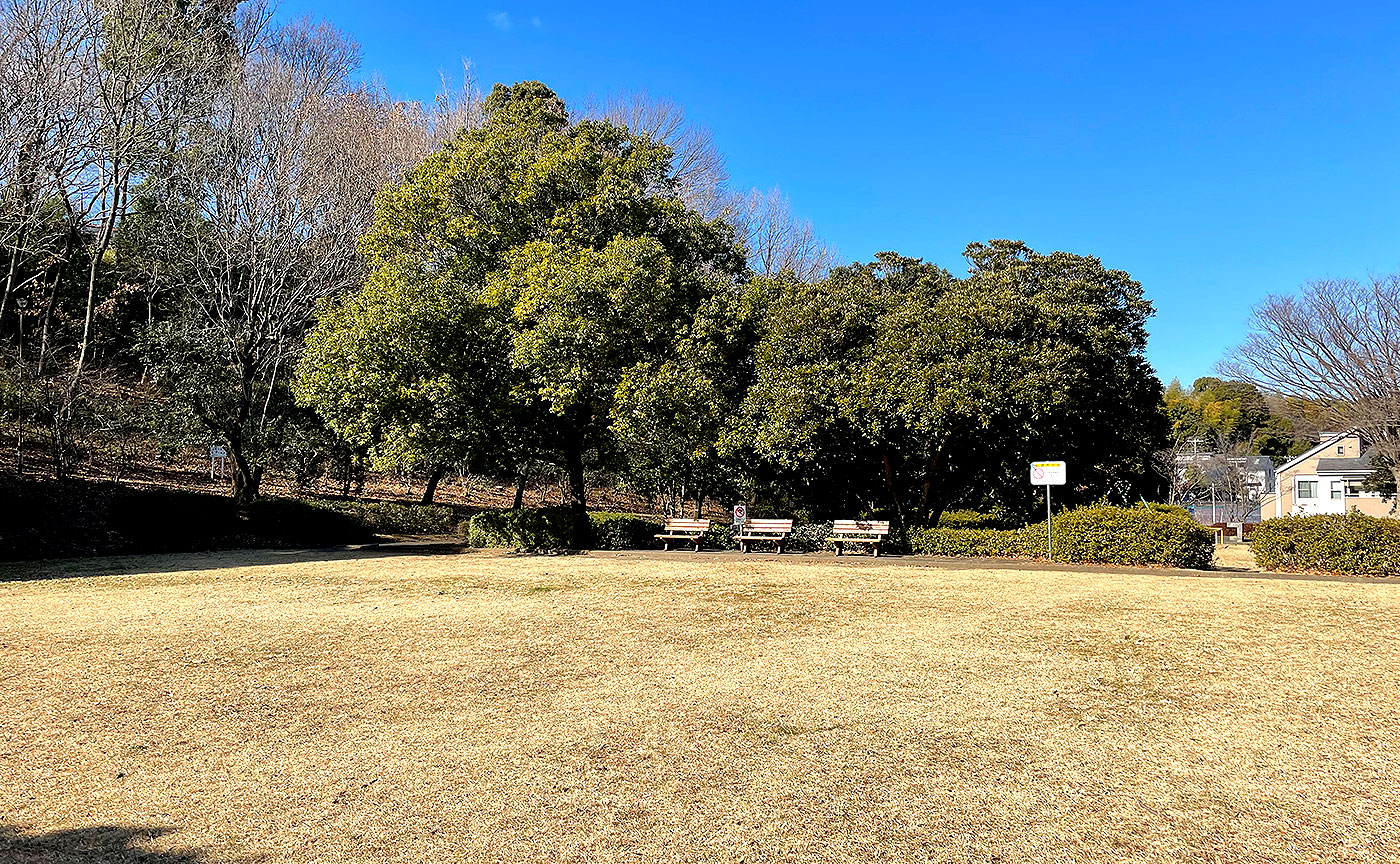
1048, 474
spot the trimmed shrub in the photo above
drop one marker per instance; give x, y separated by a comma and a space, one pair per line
1174, 509
534, 529
809, 537
396, 517
978, 542
624, 531
1133, 535
970, 519
1351, 543
720, 536
78, 517
290, 522
1087, 535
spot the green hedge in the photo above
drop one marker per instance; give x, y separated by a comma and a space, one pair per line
1088, 535
1351, 543
624, 531
979, 542
291, 522
539, 529
720, 536
1133, 535
970, 519
1173, 509
49, 519
809, 537
395, 517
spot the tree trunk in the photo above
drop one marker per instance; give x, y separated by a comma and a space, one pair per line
521, 478
890, 486
927, 499
434, 479
573, 462
246, 477
48, 317
360, 469
104, 239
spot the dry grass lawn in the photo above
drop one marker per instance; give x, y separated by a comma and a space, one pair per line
477, 707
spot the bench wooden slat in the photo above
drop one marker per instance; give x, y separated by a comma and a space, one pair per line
686, 525
872, 531
863, 527
692, 530
764, 530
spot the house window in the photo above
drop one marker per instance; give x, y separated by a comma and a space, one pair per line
1307, 488
1336, 490
1341, 450
1353, 488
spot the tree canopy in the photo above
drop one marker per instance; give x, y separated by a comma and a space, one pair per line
527, 270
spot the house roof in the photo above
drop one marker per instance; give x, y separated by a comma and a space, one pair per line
1363, 465
1321, 445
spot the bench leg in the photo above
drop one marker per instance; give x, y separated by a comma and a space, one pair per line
743, 547
780, 547
665, 545
875, 547
838, 545
697, 544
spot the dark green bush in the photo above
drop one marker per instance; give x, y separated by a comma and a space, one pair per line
624, 531
395, 517
970, 519
1132, 535
1088, 535
720, 536
533, 529
290, 522
978, 542
1173, 509
76, 517
809, 537
1351, 543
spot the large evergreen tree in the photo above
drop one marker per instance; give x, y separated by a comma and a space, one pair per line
519, 276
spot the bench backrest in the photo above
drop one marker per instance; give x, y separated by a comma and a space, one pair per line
858, 526
687, 525
767, 525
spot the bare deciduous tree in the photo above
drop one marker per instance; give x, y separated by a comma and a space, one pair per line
775, 237
279, 190
456, 107
778, 240
1337, 345
47, 93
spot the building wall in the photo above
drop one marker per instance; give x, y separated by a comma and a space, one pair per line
1379, 507
1283, 503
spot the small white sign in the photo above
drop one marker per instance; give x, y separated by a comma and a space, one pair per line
740, 514
1047, 473
217, 452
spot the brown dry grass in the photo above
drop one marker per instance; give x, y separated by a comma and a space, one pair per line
266, 706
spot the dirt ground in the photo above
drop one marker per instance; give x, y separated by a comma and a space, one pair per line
1235, 556
387, 706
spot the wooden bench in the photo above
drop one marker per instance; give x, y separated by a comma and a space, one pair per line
773, 530
691, 530
845, 531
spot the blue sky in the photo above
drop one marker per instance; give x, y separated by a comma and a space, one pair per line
1219, 152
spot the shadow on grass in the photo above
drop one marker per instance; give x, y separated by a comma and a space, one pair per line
101, 844
177, 562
